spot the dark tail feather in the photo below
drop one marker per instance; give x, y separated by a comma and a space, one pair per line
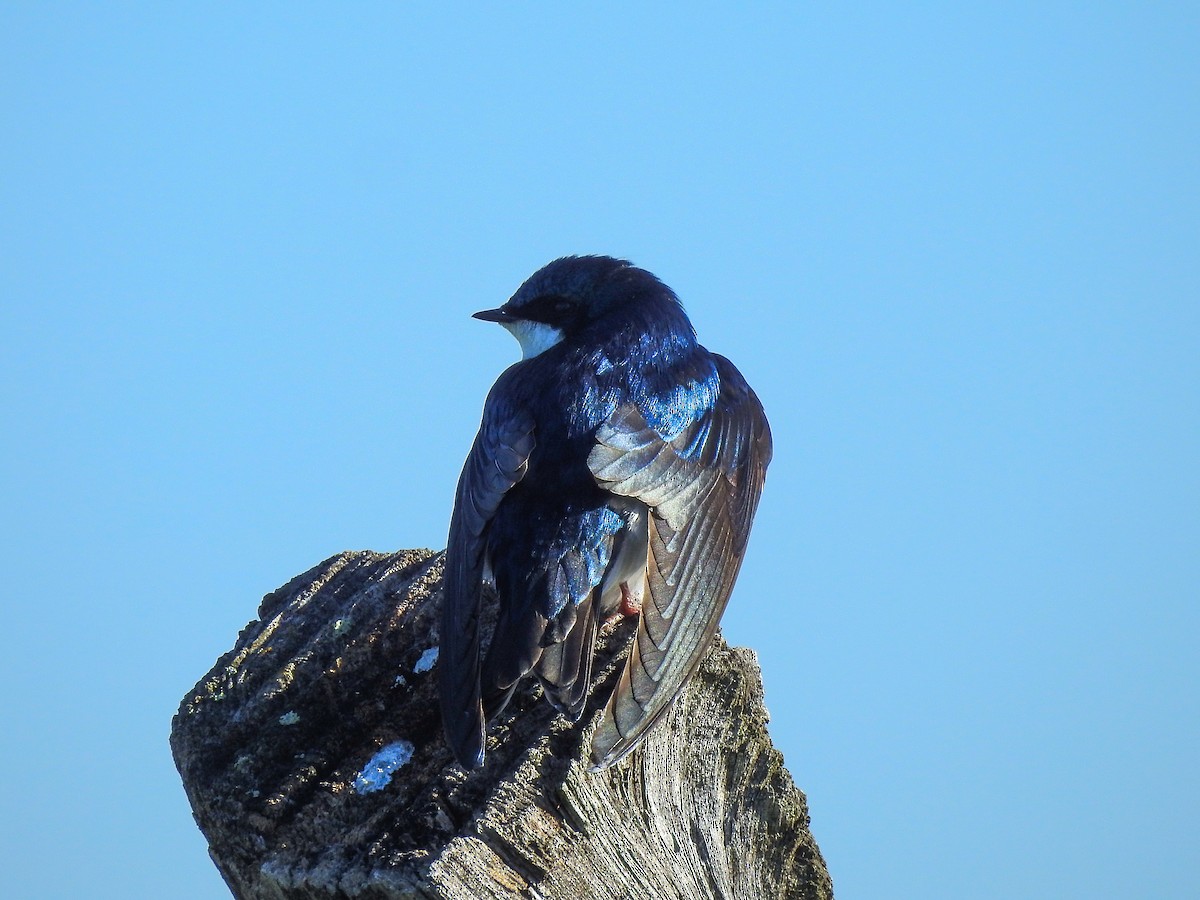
565, 669
515, 649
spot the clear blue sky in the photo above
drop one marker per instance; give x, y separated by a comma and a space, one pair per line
955, 248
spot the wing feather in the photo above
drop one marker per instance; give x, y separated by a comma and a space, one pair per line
702, 488
497, 461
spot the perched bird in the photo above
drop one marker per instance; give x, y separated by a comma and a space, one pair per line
616, 470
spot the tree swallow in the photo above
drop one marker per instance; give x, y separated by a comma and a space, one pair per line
617, 469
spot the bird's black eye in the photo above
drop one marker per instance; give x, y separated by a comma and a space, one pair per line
553, 309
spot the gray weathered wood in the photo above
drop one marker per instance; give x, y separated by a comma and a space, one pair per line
275, 746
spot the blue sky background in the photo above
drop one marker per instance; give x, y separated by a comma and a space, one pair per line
955, 248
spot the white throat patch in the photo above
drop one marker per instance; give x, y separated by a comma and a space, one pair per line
534, 337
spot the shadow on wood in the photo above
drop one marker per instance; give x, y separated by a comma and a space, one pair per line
313, 759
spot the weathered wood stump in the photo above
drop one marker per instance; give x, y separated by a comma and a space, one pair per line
313, 759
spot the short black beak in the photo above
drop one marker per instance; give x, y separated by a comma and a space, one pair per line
495, 315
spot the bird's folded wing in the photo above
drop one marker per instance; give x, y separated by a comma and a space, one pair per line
497, 461
702, 487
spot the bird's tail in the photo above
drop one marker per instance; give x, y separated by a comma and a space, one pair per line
565, 669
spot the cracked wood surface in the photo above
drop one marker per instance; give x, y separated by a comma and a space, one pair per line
313, 759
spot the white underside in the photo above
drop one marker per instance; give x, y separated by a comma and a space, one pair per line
534, 337
628, 566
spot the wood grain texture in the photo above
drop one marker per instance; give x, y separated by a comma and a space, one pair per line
274, 746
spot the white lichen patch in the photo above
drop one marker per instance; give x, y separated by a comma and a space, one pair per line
291, 717
378, 771
425, 663
341, 626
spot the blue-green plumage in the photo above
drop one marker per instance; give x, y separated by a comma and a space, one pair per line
619, 457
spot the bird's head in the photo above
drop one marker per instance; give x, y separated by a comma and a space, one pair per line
579, 296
